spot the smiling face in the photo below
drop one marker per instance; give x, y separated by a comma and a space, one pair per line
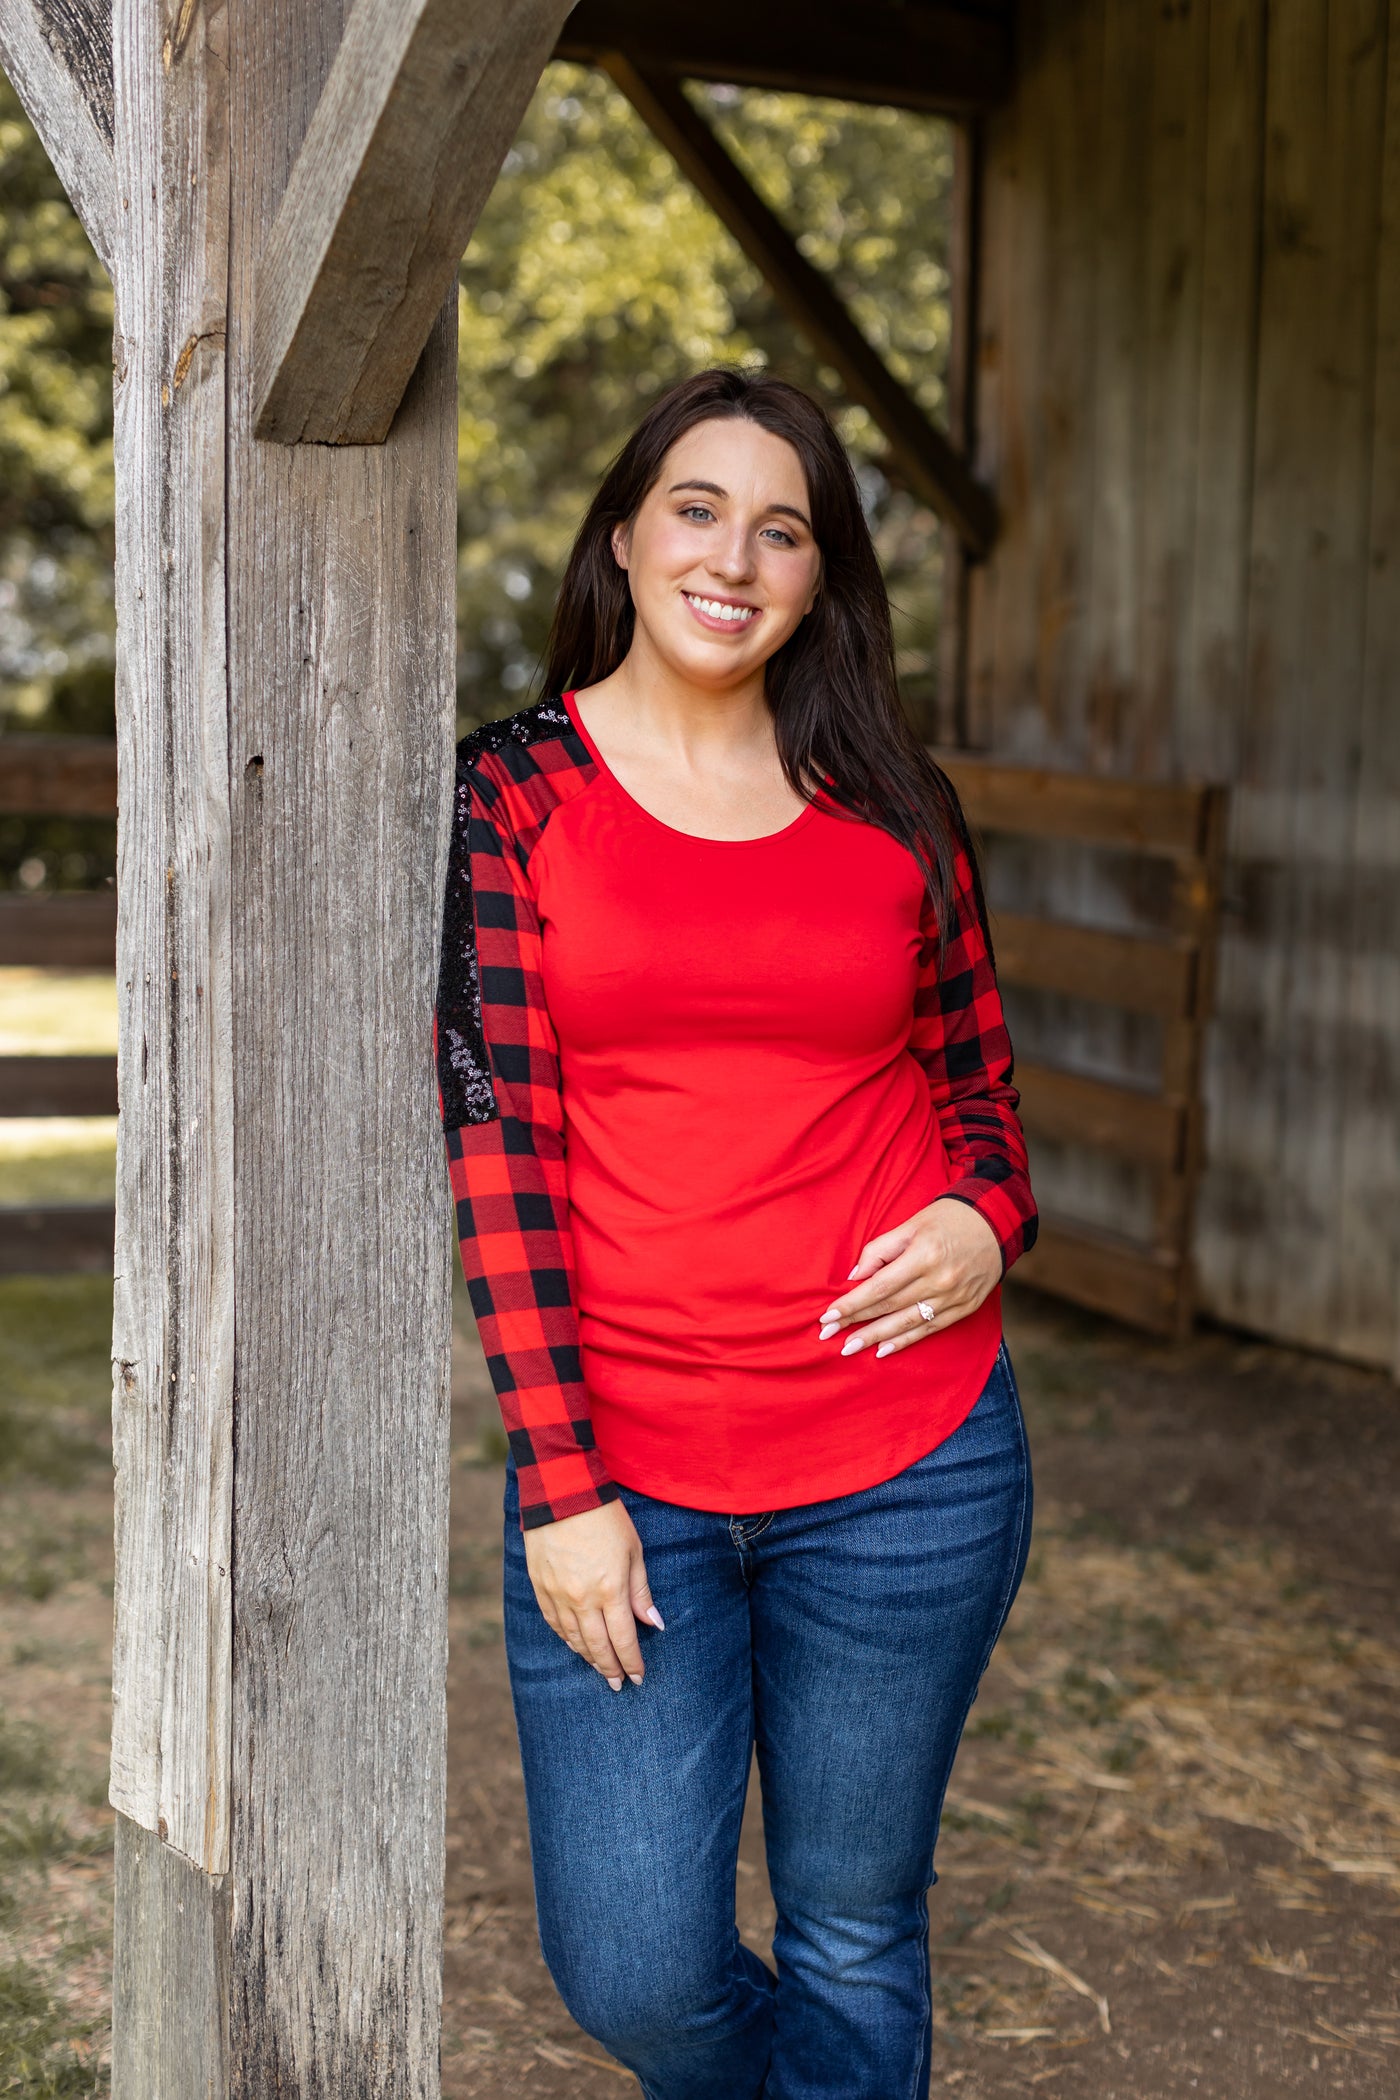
720, 556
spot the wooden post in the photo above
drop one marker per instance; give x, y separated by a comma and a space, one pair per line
285, 696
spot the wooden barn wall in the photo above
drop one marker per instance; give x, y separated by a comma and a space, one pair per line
1188, 379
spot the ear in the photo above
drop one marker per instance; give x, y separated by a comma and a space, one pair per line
621, 544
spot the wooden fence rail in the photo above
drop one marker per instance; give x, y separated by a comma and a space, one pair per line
58, 776
1167, 975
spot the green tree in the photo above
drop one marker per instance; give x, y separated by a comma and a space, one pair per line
595, 279
56, 503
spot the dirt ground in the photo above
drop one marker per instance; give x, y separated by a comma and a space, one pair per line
1170, 1862
1171, 1858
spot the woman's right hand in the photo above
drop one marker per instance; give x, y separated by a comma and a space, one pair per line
591, 1584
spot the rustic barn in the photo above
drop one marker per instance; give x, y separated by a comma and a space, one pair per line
1172, 483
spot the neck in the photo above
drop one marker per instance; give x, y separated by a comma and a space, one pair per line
662, 707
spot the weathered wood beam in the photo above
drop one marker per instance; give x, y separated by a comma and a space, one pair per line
58, 55
408, 137
285, 703
923, 57
172, 1341
933, 468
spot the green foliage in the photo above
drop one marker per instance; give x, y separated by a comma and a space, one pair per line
595, 279
37, 2057
56, 496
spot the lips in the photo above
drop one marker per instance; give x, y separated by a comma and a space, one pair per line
721, 615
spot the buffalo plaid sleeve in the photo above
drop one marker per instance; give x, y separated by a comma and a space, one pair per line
498, 1085
960, 1038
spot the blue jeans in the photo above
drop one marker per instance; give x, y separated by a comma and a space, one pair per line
845, 1640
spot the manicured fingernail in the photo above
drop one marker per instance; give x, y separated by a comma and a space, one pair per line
851, 1272
884, 1348
833, 1312
832, 1327
631, 1679
616, 1683
656, 1619
849, 1348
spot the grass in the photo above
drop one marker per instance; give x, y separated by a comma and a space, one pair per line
55, 1388
57, 1159
56, 1013
55, 1825
40, 2047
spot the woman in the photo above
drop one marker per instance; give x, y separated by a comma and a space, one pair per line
732, 1135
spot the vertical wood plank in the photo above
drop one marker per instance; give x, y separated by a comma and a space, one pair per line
1175, 202
996, 223
1071, 98
172, 1330
1368, 1235
950, 723
1288, 1085
1115, 669
1238, 591
1209, 701
342, 565
169, 1973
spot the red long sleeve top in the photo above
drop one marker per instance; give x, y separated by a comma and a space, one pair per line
683, 1081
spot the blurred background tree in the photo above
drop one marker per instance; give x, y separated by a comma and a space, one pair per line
595, 278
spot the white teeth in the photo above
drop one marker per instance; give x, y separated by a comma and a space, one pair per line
717, 611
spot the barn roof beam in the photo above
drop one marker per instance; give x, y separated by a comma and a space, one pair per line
932, 466
58, 55
927, 56
407, 139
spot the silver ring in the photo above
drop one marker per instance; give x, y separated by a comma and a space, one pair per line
927, 1310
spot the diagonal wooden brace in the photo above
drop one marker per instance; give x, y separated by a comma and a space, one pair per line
934, 468
416, 116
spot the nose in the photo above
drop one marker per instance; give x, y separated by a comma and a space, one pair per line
732, 556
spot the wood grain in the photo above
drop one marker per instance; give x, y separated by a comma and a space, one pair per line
170, 1983
173, 1319
1239, 260
407, 139
1368, 1259
341, 698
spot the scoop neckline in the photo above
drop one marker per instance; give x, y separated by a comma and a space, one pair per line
696, 838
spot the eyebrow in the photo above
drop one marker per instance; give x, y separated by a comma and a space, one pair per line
712, 488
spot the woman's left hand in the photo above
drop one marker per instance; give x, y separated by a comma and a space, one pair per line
946, 1254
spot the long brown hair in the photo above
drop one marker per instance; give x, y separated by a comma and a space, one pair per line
832, 687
